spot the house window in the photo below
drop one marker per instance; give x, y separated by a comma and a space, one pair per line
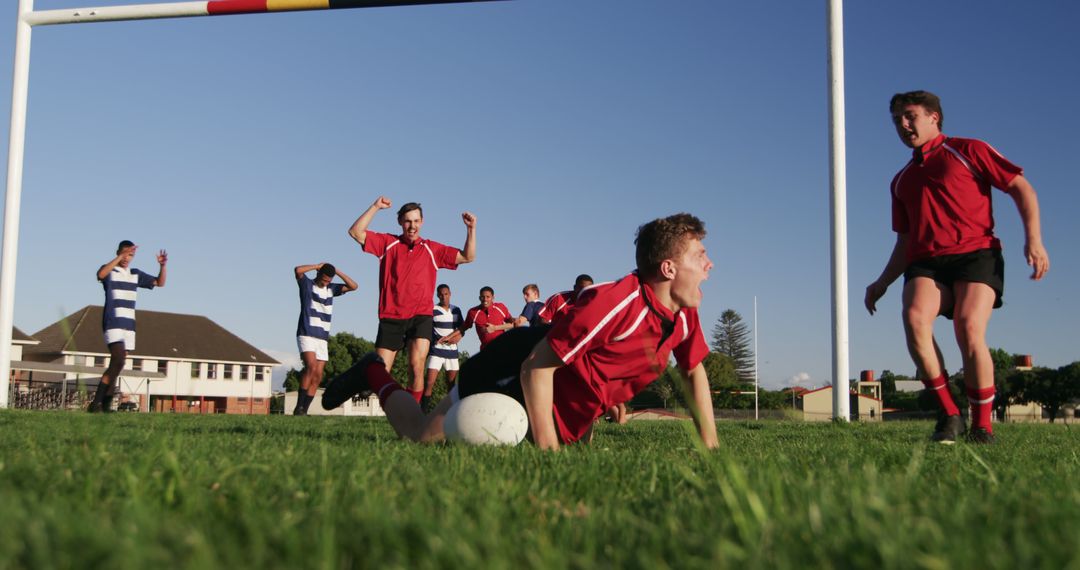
258, 373
244, 373
227, 374
211, 371
195, 369
162, 366
99, 361
136, 364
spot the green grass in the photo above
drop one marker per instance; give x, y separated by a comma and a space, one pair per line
135, 490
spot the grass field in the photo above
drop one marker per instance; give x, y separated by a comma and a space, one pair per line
135, 490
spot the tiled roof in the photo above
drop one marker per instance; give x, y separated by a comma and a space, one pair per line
160, 335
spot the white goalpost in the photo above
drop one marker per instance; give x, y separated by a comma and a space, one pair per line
28, 18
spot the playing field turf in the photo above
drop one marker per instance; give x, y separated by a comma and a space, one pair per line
154, 490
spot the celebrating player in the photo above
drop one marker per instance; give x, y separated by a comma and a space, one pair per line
408, 265
121, 283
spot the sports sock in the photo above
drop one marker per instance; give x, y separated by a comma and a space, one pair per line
301, 396
981, 401
940, 388
380, 382
417, 395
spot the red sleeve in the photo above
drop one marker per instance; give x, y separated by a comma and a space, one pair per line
551, 307
990, 164
693, 349
375, 242
588, 325
445, 256
470, 318
506, 312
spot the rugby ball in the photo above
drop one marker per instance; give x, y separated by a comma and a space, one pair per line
486, 419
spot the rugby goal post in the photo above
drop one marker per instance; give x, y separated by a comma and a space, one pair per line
27, 18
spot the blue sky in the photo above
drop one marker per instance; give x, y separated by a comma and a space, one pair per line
246, 145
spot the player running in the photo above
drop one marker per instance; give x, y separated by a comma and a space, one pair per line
946, 250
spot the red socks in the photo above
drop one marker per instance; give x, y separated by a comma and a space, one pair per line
981, 401
380, 382
417, 395
940, 388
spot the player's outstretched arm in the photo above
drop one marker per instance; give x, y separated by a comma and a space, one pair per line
1023, 193
358, 231
162, 259
537, 377
350, 285
893, 270
468, 253
703, 409
300, 270
106, 269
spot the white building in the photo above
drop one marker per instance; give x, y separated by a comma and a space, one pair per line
181, 363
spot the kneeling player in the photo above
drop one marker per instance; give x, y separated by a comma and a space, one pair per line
611, 346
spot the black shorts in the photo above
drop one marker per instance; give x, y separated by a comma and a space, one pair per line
980, 266
394, 332
497, 368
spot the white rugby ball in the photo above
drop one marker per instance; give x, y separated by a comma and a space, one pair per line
486, 419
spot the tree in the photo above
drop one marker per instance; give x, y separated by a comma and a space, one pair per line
888, 385
1006, 376
1050, 388
731, 337
343, 350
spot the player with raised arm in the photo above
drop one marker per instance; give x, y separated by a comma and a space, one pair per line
408, 265
121, 283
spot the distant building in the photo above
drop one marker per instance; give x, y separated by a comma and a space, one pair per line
817, 405
353, 407
181, 363
19, 340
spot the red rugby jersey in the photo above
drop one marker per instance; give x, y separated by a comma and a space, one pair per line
944, 202
407, 274
556, 306
613, 346
496, 314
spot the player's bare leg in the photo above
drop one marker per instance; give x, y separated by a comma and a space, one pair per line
974, 304
924, 299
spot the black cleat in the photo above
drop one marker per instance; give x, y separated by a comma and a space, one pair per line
349, 384
95, 408
980, 436
948, 429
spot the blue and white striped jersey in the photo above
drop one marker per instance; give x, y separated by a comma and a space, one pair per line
445, 322
316, 307
121, 286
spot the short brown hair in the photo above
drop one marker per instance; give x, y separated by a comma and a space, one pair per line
408, 208
664, 238
925, 99
531, 287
